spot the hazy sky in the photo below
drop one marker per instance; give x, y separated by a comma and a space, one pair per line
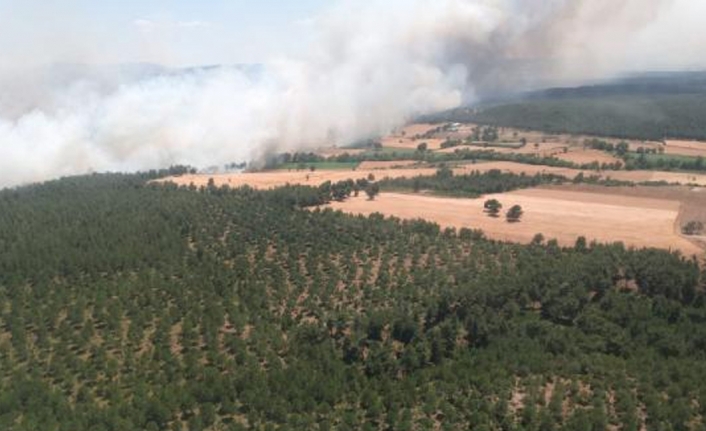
174, 32
191, 32
337, 71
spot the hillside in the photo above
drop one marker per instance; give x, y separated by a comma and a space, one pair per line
126, 306
650, 107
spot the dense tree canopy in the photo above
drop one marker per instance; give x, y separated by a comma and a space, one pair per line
641, 107
127, 306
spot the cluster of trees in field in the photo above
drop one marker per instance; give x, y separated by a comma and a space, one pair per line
125, 306
648, 158
620, 149
493, 206
484, 134
473, 184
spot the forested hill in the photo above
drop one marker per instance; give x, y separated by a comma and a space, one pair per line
654, 107
128, 306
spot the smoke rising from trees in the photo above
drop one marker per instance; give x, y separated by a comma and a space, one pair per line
372, 66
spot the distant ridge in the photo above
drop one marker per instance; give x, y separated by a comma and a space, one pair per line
651, 106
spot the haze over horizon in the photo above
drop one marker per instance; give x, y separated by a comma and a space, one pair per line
335, 71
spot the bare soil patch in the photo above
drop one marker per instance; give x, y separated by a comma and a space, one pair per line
561, 214
686, 148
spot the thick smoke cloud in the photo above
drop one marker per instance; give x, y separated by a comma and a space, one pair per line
373, 66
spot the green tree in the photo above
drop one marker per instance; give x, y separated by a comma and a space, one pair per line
514, 214
693, 228
622, 148
492, 207
372, 190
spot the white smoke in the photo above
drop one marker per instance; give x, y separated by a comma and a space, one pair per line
373, 66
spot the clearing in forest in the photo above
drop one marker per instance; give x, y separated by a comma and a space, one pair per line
558, 214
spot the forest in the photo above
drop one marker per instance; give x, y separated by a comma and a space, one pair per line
128, 305
650, 107
628, 117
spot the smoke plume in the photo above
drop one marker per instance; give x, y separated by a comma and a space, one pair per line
372, 66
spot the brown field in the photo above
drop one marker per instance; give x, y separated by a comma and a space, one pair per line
560, 214
542, 149
272, 179
634, 176
686, 148
581, 156
693, 199
575, 154
410, 143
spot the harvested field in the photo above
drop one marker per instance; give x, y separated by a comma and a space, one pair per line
410, 143
542, 150
272, 179
563, 215
634, 176
373, 165
693, 200
670, 177
686, 148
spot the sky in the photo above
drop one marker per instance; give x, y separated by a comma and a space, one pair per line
169, 32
